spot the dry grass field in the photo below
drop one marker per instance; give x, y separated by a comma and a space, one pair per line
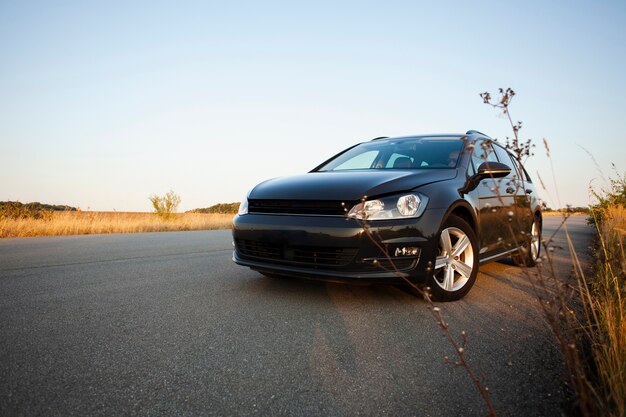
89, 222
563, 213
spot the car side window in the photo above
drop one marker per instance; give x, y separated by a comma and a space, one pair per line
515, 166
483, 152
525, 174
506, 158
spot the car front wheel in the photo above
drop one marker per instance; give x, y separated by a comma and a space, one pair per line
456, 264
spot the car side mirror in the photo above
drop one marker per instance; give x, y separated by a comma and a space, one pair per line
491, 169
487, 169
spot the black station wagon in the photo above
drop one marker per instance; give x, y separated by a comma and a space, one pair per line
427, 208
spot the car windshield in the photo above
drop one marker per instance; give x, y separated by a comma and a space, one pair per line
416, 153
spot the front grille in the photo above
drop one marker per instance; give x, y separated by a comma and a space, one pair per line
310, 207
258, 249
302, 255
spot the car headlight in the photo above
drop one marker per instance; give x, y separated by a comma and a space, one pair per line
243, 206
394, 207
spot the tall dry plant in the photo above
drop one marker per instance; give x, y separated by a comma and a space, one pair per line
165, 206
457, 343
568, 305
585, 313
559, 297
521, 151
608, 301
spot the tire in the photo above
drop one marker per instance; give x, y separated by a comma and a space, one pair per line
530, 251
456, 263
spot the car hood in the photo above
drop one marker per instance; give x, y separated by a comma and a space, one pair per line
347, 185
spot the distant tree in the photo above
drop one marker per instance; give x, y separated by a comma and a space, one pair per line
36, 206
166, 206
36, 210
221, 208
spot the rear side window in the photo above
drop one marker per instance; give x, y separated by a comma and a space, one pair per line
526, 174
507, 157
515, 165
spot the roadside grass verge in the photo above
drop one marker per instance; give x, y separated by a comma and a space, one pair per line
607, 302
93, 222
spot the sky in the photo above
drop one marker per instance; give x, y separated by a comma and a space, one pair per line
103, 104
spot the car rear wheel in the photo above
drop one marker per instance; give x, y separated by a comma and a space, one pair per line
530, 251
456, 264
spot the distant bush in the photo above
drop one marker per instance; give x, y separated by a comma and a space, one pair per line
165, 207
38, 211
221, 208
614, 196
572, 209
568, 209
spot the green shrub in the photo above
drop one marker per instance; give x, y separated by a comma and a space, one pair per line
165, 207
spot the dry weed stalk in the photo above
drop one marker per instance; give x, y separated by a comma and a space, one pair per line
566, 302
608, 335
458, 345
559, 298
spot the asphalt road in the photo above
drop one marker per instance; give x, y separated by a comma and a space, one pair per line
165, 324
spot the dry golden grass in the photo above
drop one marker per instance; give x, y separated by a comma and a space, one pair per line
609, 304
563, 213
81, 223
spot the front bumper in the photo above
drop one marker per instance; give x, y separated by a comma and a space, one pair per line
336, 247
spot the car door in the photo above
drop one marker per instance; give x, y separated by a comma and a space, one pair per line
494, 203
516, 185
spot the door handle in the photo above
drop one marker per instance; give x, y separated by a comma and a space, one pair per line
510, 190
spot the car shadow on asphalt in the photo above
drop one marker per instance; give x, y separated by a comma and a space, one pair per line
506, 273
310, 290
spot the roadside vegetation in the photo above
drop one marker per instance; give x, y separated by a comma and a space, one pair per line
165, 206
36, 210
586, 311
94, 222
223, 208
566, 211
36, 219
606, 302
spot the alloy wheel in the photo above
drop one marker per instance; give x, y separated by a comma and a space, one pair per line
453, 265
535, 240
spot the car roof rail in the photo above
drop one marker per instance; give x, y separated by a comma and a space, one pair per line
472, 132
381, 137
